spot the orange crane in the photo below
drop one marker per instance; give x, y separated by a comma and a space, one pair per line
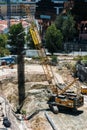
58, 98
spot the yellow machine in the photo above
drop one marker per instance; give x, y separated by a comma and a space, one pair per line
59, 97
84, 90
66, 99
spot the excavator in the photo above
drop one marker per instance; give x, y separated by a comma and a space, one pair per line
66, 99
58, 97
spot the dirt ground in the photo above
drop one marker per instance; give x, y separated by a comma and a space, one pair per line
65, 119
37, 91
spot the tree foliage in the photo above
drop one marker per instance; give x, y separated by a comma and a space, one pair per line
3, 42
59, 22
53, 39
16, 35
67, 26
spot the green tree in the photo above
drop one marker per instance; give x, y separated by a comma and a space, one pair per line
68, 28
53, 39
17, 37
3, 42
59, 22
66, 24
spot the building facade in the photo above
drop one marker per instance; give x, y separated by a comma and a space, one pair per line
16, 9
17, 1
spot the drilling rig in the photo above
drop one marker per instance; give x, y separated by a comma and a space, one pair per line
58, 97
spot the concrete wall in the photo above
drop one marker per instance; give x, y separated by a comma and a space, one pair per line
34, 53
31, 53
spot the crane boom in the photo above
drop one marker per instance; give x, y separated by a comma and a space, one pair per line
37, 42
42, 54
67, 87
57, 98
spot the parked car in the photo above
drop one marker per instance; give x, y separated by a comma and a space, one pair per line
7, 60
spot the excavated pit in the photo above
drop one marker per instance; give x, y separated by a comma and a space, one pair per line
37, 92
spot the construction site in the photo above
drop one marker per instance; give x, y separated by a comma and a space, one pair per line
36, 112
53, 98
